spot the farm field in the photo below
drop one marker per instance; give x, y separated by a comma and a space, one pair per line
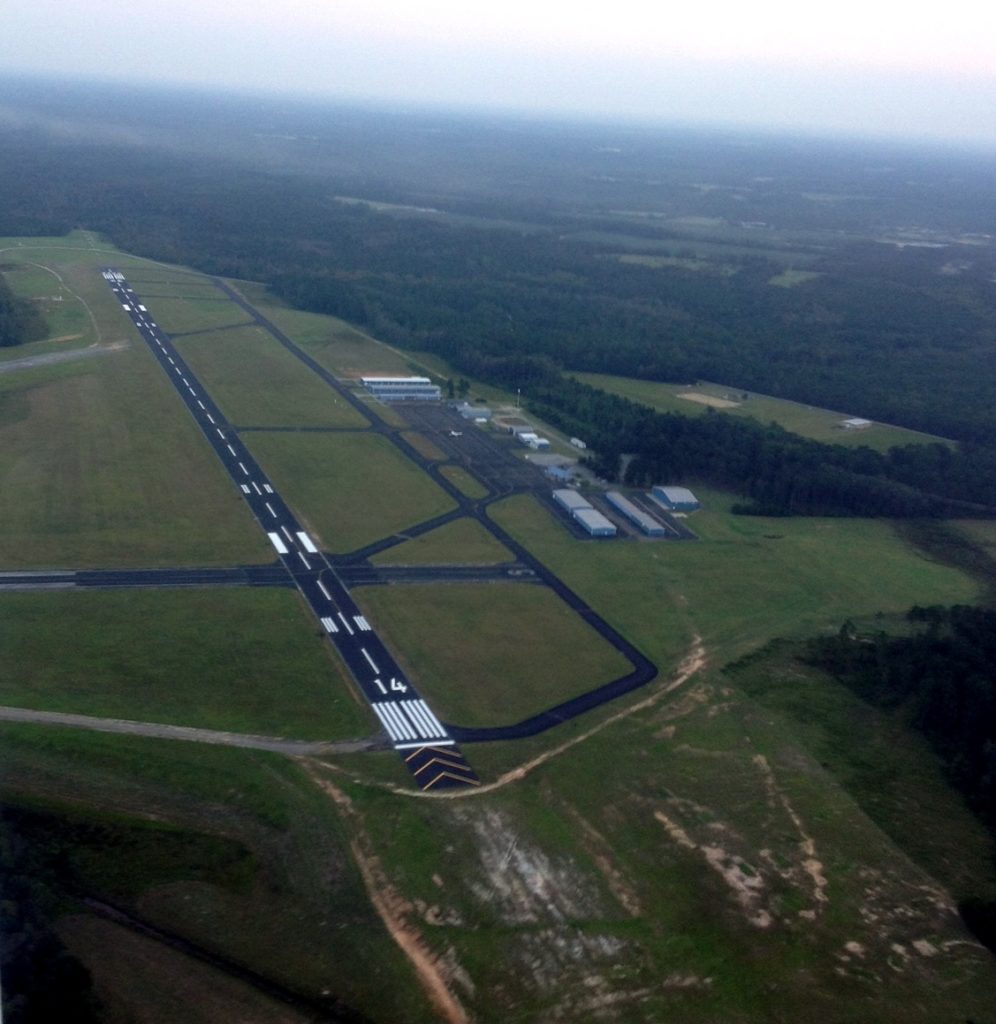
490, 655
257, 382
239, 660
807, 421
350, 488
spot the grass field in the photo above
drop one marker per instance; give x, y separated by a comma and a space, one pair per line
66, 316
339, 347
217, 814
463, 481
351, 489
124, 477
744, 582
805, 420
423, 445
257, 382
241, 660
484, 654
462, 542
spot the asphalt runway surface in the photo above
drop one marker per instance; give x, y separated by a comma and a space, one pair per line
427, 749
428, 745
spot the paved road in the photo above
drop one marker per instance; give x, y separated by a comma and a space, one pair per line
428, 750
214, 737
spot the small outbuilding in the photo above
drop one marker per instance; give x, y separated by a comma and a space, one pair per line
855, 423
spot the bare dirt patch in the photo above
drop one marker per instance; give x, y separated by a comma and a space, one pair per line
711, 400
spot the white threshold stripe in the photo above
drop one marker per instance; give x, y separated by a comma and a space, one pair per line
277, 541
417, 715
370, 661
415, 746
405, 731
389, 726
307, 544
419, 726
427, 711
329, 625
267, 488
245, 490
321, 587
361, 621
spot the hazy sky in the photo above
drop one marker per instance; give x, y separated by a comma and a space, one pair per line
867, 66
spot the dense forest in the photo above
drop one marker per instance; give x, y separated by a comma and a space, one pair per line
521, 261
20, 319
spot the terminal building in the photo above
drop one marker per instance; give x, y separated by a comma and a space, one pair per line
582, 512
644, 520
675, 499
402, 389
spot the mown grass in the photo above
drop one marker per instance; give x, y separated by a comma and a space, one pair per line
101, 465
462, 542
257, 382
351, 489
423, 445
805, 420
69, 325
747, 580
192, 312
470, 486
238, 660
484, 654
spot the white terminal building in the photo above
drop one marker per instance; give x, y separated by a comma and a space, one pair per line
402, 389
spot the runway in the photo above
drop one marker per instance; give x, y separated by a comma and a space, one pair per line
427, 748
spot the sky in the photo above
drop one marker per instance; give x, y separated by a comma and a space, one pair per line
865, 67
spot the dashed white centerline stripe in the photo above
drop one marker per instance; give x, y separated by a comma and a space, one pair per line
243, 468
232, 450
269, 508
370, 661
321, 587
342, 618
287, 534
210, 417
255, 487
220, 433
201, 404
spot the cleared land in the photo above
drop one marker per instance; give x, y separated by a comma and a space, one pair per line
351, 489
66, 315
462, 542
747, 580
239, 660
257, 382
805, 420
490, 655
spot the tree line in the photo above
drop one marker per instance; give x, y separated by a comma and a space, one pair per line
20, 319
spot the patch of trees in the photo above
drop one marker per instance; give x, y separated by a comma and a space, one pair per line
882, 332
941, 680
20, 319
